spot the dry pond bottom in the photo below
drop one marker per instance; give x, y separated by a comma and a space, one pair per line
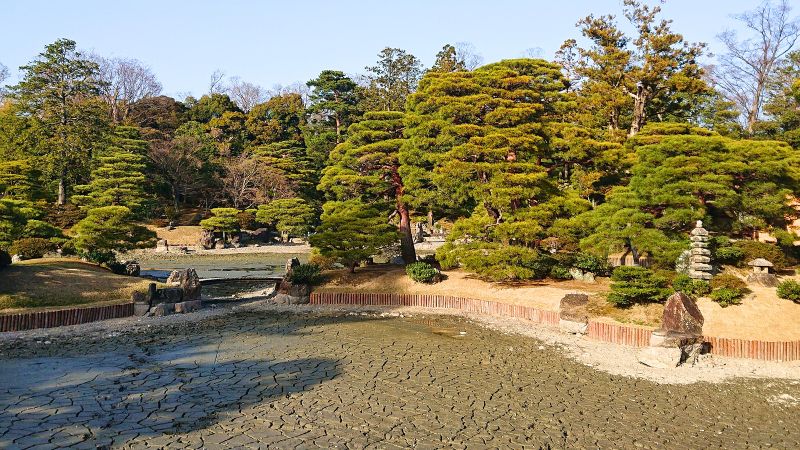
330, 379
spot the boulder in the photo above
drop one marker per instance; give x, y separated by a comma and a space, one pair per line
188, 306
139, 297
219, 244
187, 280
140, 309
573, 308
162, 309
580, 275
132, 268
660, 357
671, 339
206, 241
15, 259
572, 327
167, 295
681, 315
764, 279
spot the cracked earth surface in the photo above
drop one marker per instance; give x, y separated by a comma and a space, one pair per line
266, 379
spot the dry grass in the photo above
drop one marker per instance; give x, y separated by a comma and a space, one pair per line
643, 314
55, 283
183, 235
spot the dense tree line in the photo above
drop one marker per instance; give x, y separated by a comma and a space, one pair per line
623, 141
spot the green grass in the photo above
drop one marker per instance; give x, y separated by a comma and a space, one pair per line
57, 283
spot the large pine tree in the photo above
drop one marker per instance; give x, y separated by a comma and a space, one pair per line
366, 167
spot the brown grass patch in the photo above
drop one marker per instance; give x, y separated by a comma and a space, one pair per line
54, 283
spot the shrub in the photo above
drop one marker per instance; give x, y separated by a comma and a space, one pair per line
323, 262
5, 258
727, 296
701, 287
729, 255
560, 273
247, 219
683, 283
789, 290
422, 272
306, 274
633, 284
38, 229
497, 262
31, 248
770, 252
729, 281
590, 263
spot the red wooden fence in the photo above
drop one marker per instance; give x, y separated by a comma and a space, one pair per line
61, 317
606, 332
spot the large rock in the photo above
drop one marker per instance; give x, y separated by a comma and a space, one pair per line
132, 268
573, 307
580, 275
188, 306
206, 240
187, 280
764, 279
660, 357
663, 338
681, 315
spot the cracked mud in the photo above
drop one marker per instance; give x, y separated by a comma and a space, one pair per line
257, 380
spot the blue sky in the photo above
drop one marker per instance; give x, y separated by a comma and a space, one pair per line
282, 42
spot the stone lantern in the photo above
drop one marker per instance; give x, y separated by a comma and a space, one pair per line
762, 273
700, 256
761, 265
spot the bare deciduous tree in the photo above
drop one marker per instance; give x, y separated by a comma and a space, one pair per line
248, 182
215, 84
466, 53
246, 95
3, 76
178, 163
744, 72
126, 82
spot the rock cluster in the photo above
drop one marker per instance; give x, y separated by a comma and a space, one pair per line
700, 256
181, 296
680, 339
288, 292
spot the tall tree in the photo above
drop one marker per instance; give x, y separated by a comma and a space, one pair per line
59, 89
333, 101
246, 95
280, 118
366, 167
653, 75
783, 107
745, 71
447, 60
392, 79
118, 178
179, 163
125, 82
209, 107
157, 117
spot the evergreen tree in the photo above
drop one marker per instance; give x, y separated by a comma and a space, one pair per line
447, 60
118, 178
333, 101
107, 230
290, 216
223, 220
352, 231
366, 167
59, 90
392, 79
209, 107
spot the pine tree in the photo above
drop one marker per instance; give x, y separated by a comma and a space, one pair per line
118, 178
107, 230
366, 167
59, 90
352, 231
290, 216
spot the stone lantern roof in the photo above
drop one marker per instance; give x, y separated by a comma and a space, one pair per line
760, 262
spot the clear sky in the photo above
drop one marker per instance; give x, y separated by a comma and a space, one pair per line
282, 42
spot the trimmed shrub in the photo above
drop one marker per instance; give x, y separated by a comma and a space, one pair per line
38, 229
729, 281
729, 255
497, 262
323, 262
789, 290
695, 288
591, 263
770, 252
247, 219
560, 273
633, 284
727, 296
31, 248
701, 287
5, 259
306, 274
422, 272
64, 216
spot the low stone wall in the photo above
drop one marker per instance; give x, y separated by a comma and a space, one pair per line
437, 301
763, 350
619, 334
630, 335
62, 317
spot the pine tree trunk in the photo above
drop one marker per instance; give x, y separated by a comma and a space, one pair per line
353, 267
406, 239
62, 189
